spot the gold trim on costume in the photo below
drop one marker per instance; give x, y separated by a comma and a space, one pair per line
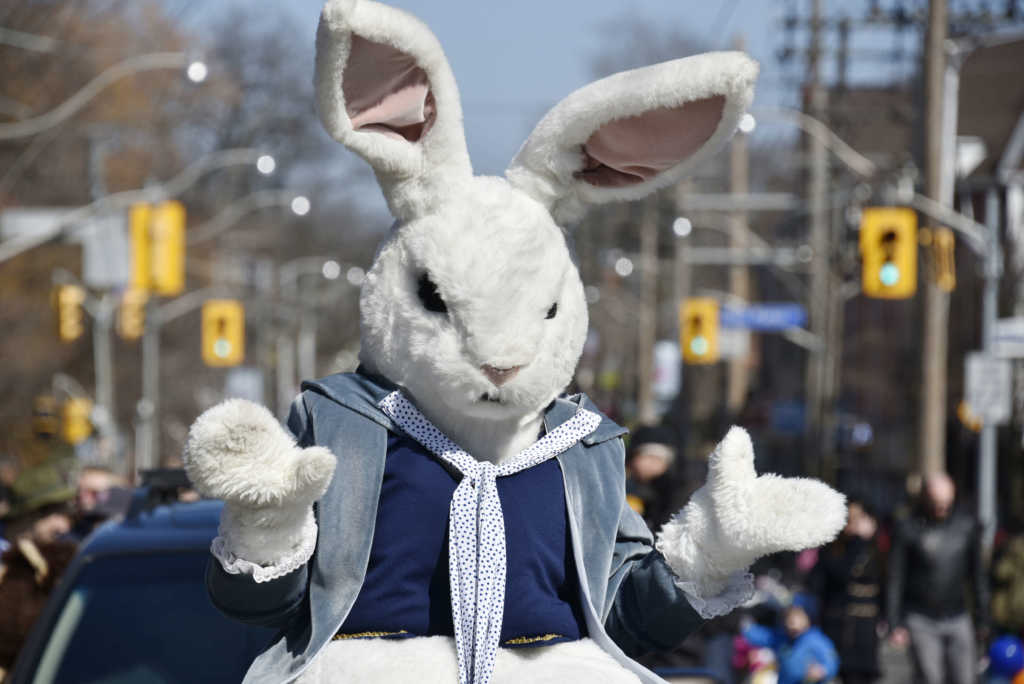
520, 641
367, 635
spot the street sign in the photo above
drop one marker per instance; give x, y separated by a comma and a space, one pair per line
106, 250
767, 317
988, 387
1008, 338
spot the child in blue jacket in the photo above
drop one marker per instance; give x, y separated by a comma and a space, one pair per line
803, 652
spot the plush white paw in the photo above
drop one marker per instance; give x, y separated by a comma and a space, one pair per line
737, 517
769, 513
238, 452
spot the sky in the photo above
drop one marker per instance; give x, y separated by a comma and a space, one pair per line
514, 59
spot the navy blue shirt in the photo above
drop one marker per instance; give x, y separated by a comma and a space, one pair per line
406, 589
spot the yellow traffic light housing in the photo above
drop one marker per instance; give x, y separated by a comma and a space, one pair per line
223, 341
139, 217
131, 315
76, 426
70, 315
167, 256
944, 257
45, 416
888, 247
698, 329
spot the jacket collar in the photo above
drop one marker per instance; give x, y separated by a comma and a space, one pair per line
362, 392
564, 408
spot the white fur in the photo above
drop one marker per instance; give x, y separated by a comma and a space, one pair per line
414, 176
491, 245
238, 452
737, 517
431, 660
499, 262
546, 163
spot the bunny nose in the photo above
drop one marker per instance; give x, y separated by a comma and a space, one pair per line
499, 376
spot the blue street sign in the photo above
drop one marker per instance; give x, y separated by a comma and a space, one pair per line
766, 317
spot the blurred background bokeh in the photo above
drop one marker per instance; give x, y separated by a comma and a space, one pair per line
846, 280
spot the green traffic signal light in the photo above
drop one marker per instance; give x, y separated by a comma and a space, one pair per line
889, 274
699, 345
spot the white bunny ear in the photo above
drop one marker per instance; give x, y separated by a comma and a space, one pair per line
386, 91
634, 132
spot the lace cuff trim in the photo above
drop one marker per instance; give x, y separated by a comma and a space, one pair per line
295, 559
739, 589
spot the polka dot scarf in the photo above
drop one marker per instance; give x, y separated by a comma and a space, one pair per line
476, 529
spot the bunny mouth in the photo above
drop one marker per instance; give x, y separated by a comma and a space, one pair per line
491, 398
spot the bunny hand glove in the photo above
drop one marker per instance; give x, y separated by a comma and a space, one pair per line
238, 452
736, 518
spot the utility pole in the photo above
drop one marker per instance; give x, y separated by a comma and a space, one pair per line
147, 430
987, 455
103, 360
932, 442
817, 103
647, 328
739, 275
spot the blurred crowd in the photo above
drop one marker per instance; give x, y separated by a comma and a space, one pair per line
912, 585
913, 582
46, 509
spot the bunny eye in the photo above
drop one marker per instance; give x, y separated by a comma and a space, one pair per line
429, 295
552, 311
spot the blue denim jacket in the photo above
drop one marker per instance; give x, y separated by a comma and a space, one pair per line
630, 601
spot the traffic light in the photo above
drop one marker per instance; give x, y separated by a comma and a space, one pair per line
131, 315
698, 329
888, 248
44, 416
167, 256
944, 257
223, 332
70, 323
76, 425
139, 218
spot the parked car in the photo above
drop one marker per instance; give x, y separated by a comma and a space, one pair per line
132, 607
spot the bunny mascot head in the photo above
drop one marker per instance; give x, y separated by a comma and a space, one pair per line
450, 471
474, 305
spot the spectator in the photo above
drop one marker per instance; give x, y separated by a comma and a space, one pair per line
37, 527
803, 652
936, 555
848, 580
1008, 589
101, 494
651, 453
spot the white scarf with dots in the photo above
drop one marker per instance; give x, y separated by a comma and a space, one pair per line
476, 529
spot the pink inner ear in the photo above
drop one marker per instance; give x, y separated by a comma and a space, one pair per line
386, 91
633, 150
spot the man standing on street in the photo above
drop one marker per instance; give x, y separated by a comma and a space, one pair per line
936, 555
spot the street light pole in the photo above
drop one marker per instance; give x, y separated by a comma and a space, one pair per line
739, 275
940, 105
648, 321
129, 67
818, 304
990, 311
147, 435
123, 200
103, 319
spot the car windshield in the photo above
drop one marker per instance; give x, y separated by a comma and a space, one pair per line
145, 619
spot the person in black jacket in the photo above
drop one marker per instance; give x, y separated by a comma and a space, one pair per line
936, 555
848, 581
